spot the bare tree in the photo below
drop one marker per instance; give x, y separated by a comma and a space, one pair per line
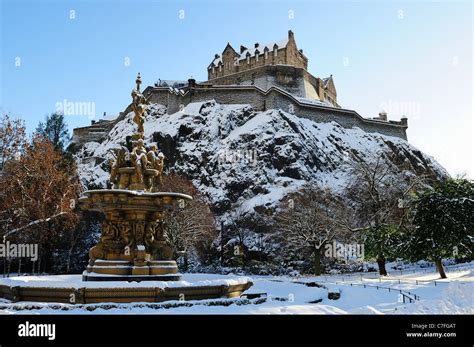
38, 193
12, 139
312, 218
191, 226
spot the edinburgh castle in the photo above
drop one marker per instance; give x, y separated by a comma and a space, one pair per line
265, 76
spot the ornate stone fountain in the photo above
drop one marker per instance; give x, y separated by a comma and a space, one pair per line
133, 243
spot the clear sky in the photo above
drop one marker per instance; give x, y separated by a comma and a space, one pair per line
412, 58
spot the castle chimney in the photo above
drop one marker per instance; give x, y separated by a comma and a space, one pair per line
242, 49
256, 45
216, 56
383, 115
404, 121
291, 35
191, 82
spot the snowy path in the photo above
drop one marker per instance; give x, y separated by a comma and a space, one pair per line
286, 295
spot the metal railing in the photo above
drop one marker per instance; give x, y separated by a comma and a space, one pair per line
375, 275
406, 295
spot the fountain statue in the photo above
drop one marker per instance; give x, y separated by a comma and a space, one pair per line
133, 243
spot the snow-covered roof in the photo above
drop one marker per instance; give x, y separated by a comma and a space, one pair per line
216, 61
171, 83
109, 117
261, 48
326, 81
314, 102
270, 45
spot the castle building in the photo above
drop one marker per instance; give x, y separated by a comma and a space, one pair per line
278, 63
284, 52
267, 76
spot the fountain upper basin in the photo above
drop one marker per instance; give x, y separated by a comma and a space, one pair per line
105, 200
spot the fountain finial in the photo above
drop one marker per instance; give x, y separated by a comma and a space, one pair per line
141, 167
139, 106
138, 81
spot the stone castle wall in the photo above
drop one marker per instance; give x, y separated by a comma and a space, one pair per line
276, 98
286, 77
261, 100
345, 118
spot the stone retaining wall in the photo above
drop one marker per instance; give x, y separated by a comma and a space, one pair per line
135, 294
273, 98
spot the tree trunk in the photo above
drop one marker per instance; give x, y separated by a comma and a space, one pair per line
68, 263
185, 262
317, 261
381, 263
439, 266
222, 244
243, 260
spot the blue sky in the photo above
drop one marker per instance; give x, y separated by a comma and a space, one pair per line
409, 58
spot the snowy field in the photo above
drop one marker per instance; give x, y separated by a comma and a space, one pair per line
360, 293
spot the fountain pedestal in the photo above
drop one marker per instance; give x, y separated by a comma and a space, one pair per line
133, 244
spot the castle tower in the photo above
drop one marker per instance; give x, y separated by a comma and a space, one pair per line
279, 63
283, 52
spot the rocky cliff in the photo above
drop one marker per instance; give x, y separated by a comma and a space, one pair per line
241, 158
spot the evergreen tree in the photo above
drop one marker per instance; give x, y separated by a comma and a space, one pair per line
443, 223
55, 129
382, 241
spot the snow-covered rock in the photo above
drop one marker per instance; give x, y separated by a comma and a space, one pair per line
243, 158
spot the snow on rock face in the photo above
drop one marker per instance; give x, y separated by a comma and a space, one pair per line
243, 158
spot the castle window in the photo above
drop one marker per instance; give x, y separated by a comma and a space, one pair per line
275, 52
266, 55
220, 68
256, 57
248, 59
213, 69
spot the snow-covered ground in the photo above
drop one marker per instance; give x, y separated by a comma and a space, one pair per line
289, 295
75, 281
